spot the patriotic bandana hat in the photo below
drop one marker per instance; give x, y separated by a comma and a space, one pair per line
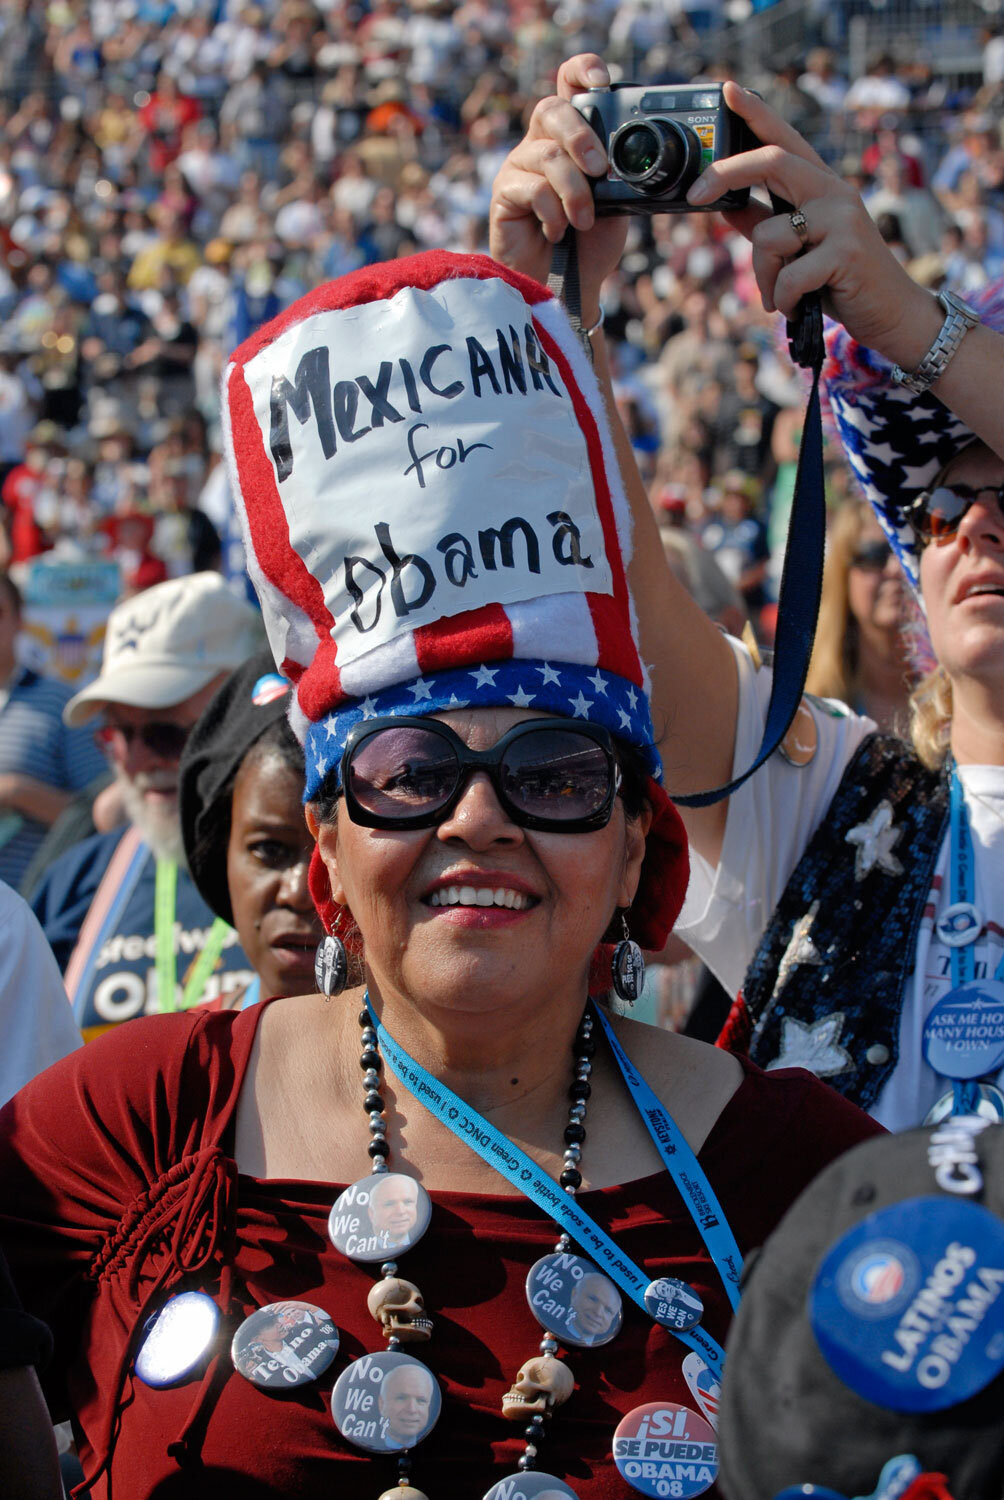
434, 518
896, 443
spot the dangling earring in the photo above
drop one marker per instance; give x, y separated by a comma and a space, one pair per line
627, 967
331, 968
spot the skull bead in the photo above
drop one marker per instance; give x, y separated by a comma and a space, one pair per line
542, 1384
399, 1308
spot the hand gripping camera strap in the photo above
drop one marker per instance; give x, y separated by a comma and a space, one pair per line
802, 573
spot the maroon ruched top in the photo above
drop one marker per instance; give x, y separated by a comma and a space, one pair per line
118, 1188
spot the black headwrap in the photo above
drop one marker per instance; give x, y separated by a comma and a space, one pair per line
250, 701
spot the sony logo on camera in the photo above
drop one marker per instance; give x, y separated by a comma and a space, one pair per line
658, 141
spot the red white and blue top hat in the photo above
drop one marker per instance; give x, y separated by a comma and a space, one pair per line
896, 443
434, 517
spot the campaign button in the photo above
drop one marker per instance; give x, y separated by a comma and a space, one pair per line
379, 1217
177, 1338
674, 1304
574, 1301
665, 1449
385, 1403
801, 740
989, 1105
284, 1344
703, 1386
534, 1485
908, 1307
959, 924
964, 1034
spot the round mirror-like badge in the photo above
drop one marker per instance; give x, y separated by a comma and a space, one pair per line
380, 1217
385, 1402
177, 1338
989, 1106
573, 1300
964, 1034
665, 1449
532, 1486
907, 1307
284, 1344
674, 1304
959, 924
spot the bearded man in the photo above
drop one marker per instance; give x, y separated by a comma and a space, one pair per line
125, 921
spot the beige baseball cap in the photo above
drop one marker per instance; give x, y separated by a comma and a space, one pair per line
167, 643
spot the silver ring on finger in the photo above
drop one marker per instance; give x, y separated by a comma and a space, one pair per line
798, 224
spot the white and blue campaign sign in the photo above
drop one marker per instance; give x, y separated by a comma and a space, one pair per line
907, 1307
964, 1034
703, 1386
428, 458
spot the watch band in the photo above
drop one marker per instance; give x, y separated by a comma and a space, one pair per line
958, 321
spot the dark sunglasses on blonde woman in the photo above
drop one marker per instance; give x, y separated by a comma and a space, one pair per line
872, 557
937, 514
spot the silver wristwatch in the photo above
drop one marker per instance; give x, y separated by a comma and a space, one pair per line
958, 321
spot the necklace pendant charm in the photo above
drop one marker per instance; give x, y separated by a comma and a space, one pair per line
542, 1384
574, 1301
385, 1403
284, 1344
379, 1217
528, 1484
399, 1308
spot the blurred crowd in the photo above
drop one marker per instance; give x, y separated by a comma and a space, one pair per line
173, 174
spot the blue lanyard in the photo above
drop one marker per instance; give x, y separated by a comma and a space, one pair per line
684, 1168
963, 880
962, 887
523, 1172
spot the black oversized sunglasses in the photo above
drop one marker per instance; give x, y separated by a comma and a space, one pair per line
937, 514
547, 774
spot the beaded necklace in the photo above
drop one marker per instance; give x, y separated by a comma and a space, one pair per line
575, 1303
397, 1222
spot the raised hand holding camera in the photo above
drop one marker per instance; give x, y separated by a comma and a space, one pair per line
658, 141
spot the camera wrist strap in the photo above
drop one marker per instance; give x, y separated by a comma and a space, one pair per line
802, 572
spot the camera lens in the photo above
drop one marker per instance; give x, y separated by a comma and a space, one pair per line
656, 156
637, 150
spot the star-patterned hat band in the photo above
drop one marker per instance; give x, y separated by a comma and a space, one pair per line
572, 691
895, 442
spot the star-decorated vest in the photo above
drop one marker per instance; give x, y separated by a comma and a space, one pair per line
825, 988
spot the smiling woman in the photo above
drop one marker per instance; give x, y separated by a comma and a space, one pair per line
465, 1160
